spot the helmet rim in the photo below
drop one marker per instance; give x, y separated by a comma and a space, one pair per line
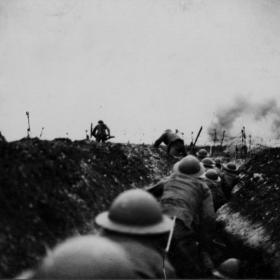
163, 226
229, 170
197, 174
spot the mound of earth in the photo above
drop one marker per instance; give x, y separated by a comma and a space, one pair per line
258, 196
50, 190
253, 214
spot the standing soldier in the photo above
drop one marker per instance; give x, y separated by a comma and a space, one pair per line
101, 132
187, 196
175, 144
135, 222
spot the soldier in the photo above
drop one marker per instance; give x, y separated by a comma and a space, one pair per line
229, 178
208, 163
135, 221
187, 196
201, 154
213, 181
175, 144
84, 257
101, 132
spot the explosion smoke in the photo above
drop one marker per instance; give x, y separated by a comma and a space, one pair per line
226, 116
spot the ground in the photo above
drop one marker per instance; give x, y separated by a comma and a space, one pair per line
53, 189
50, 190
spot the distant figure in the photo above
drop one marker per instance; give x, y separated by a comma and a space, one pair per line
175, 144
84, 257
101, 132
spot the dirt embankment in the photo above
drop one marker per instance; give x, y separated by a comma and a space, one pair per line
52, 189
253, 215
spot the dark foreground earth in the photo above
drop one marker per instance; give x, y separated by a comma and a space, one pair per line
50, 190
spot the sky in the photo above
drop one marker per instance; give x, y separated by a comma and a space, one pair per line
141, 66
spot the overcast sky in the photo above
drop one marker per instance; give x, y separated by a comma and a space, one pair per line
140, 66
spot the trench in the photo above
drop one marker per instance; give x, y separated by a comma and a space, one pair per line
74, 181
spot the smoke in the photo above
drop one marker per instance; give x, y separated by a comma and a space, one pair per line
227, 116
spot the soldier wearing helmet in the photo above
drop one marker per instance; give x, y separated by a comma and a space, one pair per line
208, 163
213, 181
187, 196
201, 154
84, 257
175, 144
229, 178
101, 132
135, 221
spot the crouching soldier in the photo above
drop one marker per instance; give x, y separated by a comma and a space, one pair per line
135, 221
229, 178
187, 196
213, 181
175, 144
84, 257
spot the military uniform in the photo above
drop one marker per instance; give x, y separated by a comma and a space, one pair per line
146, 258
190, 200
175, 144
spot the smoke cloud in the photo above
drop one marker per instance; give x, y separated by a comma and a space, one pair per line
227, 116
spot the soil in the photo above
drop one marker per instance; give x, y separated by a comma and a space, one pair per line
50, 190
258, 193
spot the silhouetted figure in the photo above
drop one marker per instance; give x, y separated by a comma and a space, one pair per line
101, 132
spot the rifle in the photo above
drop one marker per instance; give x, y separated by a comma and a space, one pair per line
168, 246
28, 129
197, 136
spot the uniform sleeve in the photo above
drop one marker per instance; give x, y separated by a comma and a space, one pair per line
158, 141
208, 214
108, 130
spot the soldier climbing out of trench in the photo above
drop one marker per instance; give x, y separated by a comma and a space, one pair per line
175, 144
101, 132
135, 221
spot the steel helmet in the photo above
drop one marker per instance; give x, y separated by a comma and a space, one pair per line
202, 153
189, 165
86, 257
168, 131
228, 269
212, 174
135, 212
100, 122
230, 167
208, 162
218, 162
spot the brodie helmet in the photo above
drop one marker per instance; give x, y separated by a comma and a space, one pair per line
135, 212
